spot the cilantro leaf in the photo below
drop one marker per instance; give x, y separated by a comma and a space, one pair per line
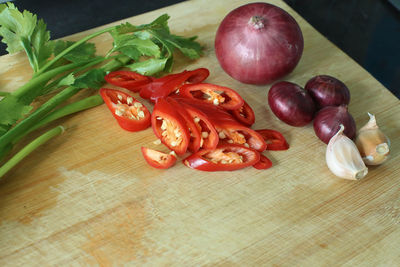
22, 31
82, 53
67, 80
188, 46
94, 79
134, 47
41, 44
160, 22
19, 110
15, 26
150, 66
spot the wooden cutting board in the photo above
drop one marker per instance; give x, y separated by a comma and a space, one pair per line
88, 197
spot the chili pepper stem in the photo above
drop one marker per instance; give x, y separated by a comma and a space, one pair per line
29, 148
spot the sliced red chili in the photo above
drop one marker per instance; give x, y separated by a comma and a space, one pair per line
194, 130
130, 114
263, 164
236, 133
274, 139
226, 157
209, 136
218, 95
164, 86
158, 159
244, 114
127, 79
169, 126
229, 130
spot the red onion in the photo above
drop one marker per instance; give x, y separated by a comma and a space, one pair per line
328, 91
258, 43
291, 103
327, 122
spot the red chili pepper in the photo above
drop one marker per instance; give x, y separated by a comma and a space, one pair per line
274, 139
263, 164
194, 130
127, 79
244, 114
226, 157
164, 86
228, 128
214, 94
130, 114
158, 159
169, 126
209, 136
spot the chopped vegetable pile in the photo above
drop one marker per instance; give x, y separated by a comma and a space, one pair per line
210, 121
62, 68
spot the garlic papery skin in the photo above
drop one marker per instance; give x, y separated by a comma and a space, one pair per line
372, 143
343, 158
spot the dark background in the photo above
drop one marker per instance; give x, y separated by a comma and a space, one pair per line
367, 30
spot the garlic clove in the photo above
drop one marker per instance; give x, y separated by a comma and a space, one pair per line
372, 143
343, 158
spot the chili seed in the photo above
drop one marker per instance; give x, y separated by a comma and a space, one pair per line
157, 142
139, 105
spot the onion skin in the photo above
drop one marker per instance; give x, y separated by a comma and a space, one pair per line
328, 91
327, 123
291, 104
258, 43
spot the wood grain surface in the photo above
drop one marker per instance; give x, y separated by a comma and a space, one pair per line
87, 198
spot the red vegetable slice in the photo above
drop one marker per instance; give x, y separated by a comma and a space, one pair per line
221, 96
193, 127
169, 126
263, 164
235, 133
245, 114
130, 114
158, 159
274, 139
127, 79
226, 157
209, 136
229, 130
164, 86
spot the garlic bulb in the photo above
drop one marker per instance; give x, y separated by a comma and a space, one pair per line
372, 143
343, 158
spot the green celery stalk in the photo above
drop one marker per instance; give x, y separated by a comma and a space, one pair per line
29, 148
86, 103
4, 93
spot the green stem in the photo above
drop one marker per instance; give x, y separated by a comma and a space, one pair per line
86, 103
4, 93
29, 148
28, 51
69, 109
45, 77
54, 83
48, 106
70, 48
